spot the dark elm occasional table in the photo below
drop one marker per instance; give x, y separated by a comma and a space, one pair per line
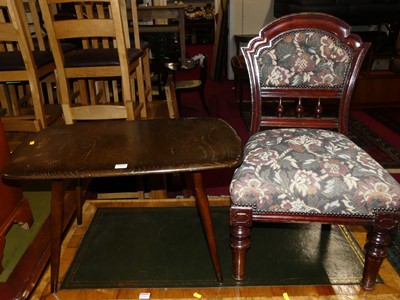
125, 148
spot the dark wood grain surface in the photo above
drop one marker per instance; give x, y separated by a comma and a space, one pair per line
119, 148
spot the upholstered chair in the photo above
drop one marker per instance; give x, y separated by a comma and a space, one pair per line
299, 166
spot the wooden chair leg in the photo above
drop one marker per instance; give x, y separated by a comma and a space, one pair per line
4, 99
203, 101
83, 92
379, 240
140, 80
147, 73
178, 101
157, 184
205, 215
240, 222
115, 91
13, 94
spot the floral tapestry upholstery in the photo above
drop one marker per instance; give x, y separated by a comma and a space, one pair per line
311, 171
304, 59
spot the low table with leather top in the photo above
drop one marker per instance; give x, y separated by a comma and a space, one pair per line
125, 148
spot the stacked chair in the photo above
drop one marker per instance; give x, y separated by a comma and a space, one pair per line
106, 55
24, 64
110, 59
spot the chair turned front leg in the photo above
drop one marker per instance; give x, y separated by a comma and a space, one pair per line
379, 240
240, 222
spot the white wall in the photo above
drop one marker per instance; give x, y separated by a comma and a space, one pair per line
246, 17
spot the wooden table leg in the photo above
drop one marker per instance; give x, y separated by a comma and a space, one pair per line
78, 191
205, 214
57, 212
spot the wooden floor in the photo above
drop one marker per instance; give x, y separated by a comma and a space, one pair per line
387, 291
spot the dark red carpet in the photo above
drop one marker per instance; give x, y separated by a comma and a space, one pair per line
377, 138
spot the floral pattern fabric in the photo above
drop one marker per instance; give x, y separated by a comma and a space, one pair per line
303, 59
311, 171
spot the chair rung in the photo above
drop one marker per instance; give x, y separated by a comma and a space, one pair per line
15, 124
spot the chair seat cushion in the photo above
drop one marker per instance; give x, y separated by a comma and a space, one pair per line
311, 171
66, 47
98, 57
13, 61
187, 84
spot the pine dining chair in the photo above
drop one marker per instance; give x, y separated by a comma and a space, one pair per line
106, 55
301, 167
23, 67
142, 75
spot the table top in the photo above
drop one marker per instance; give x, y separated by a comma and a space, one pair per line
120, 148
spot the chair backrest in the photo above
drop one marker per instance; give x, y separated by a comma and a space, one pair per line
101, 26
15, 38
98, 23
27, 13
132, 8
17, 65
303, 61
35, 24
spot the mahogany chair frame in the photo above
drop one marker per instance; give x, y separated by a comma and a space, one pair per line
383, 223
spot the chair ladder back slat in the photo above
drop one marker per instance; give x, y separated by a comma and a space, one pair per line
101, 27
23, 76
36, 23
